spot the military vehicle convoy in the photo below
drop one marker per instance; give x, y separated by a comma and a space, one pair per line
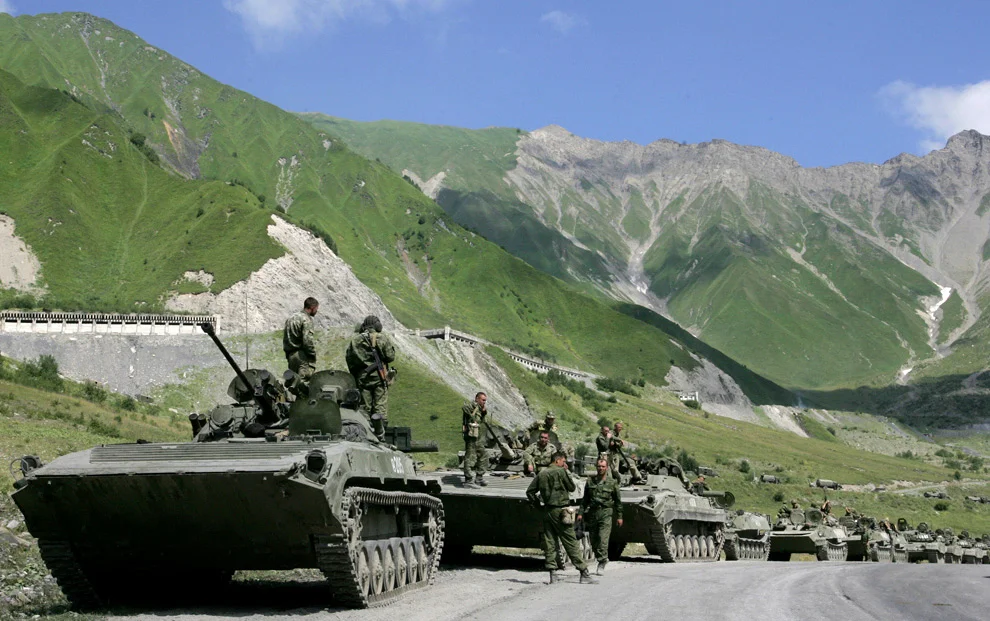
811, 532
266, 485
747, 537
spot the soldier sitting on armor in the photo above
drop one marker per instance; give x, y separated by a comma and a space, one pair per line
538, 456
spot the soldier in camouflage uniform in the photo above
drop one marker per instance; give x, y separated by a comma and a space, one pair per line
538, 456
601, 503
300, 346
475, 456
553, 486
602, 441
361, 363
615, 446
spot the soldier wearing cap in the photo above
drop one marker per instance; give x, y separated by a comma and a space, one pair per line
602, 502
553, 486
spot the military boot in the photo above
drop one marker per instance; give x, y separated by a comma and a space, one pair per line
553, 577
586, 577
601, 567
481, 481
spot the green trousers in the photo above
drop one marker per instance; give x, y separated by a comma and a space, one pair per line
475, 458
554, 531
375, 398
598, 523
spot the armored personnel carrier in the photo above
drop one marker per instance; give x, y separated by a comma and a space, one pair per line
265, 485
869, 541
676, 521
747, 537
498, 514
811, 532
921, 544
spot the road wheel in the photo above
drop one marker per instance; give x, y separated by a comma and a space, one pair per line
376, 568
401, 563
388, 568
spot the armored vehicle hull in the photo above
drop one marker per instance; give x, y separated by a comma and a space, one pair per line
868, 542
674, 523
144, 522
810, 533
921, 544
498, 514
114, 521
747, 537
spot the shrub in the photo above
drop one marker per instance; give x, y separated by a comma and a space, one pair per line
94, 392
42, 373
691, 403
744, 466
957, 475
941, 506
778, 497
687, 461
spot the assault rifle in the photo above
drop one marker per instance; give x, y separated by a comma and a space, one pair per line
507, 452
386, 374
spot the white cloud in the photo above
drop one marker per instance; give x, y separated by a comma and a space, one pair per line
562, 22
6, 6
271, 22
940, 111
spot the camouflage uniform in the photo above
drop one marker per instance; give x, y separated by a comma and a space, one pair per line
539, 458
601, 443
615, 445
553, 485
475, 455
299, 345
361, 364
600, 504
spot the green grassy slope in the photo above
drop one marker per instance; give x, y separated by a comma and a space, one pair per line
427, 270
111, 228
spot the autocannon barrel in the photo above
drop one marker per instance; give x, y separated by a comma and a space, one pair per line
423, 447
723, 499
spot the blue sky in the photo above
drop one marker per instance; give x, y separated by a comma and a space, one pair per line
823, 82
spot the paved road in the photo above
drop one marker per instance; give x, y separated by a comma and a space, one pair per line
644, 590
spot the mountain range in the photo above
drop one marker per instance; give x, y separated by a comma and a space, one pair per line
136, 179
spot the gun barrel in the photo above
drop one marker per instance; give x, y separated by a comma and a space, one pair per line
423, 447
262, 401
723, 499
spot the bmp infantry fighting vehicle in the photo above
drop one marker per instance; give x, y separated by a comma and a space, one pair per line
811, 532
677, 521
747, 537
920, 543
266, 485
498, 514
869, 541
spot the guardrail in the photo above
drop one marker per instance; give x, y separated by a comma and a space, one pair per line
447, 334
102, 323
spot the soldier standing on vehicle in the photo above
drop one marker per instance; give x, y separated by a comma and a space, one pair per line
538, 456
601, 503
602, 442
368, 355
553, 485
475, 455
299, 346
615, 454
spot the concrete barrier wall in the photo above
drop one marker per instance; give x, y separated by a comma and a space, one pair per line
102, 323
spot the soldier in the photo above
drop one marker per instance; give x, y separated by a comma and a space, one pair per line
553, 486
699, 485
538, 456
300, 347
602, 441
615, 445
601, 501
373, 381
475, 455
